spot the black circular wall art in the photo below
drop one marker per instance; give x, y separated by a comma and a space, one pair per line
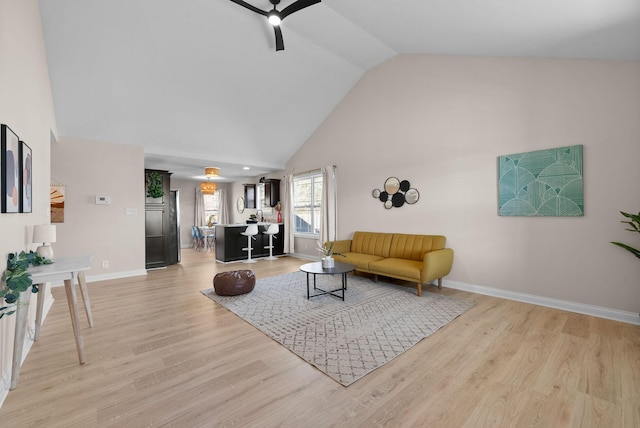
396, 193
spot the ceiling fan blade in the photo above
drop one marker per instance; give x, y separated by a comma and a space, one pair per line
294, 7
279, 41
250, 7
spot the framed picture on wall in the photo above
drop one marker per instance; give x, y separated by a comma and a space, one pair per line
26, 166
57, 203
11, 185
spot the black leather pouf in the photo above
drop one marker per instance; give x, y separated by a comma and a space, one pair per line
234, 282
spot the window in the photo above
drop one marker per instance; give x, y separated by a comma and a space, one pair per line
261, 200
307, 199
211, 207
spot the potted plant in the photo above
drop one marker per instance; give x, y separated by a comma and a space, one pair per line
327, 259
252, 219
17, 280
154, 186
634, 227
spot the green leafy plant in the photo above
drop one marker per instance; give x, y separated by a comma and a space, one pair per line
16, 279
634, 224
154, 187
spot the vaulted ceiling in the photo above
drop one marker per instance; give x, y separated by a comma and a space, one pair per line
198, 82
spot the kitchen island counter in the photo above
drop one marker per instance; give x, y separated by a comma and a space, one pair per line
230, 242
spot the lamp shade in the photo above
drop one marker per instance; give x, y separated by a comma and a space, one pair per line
208, 188
211, 172
44, 233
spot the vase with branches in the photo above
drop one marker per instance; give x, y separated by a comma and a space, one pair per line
327, 254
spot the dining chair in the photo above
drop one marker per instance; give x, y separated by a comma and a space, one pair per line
198, 238
210, 238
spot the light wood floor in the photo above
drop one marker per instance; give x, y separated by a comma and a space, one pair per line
163, 355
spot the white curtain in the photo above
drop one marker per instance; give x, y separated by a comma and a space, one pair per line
223, 207
329, 207
287, 215
199, 219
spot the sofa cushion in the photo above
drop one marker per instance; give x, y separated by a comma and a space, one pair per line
371, 243
397, 268
360, 261
414, 247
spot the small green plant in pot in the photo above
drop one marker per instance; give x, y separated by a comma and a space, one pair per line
634, 224
17, 280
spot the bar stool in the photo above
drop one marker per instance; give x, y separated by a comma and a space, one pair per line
250, 232
271, 231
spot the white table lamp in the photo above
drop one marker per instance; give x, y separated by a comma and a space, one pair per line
45, 234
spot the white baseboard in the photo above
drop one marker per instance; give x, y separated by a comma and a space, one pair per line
116, 275
107, 276
304, 256
565, 305
581, 308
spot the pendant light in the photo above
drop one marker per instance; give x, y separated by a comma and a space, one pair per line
208, 187
211, 171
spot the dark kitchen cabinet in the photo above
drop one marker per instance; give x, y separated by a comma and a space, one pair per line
271, 191
249, 195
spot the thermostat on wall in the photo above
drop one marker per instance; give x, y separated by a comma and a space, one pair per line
102, 200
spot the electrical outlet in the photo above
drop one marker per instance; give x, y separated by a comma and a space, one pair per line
105, 264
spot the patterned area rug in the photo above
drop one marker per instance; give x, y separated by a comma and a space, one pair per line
346, 340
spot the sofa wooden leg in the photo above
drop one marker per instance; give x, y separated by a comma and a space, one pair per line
440, 283
375, 278
419, 289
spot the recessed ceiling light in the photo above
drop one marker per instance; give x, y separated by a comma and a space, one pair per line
245, 168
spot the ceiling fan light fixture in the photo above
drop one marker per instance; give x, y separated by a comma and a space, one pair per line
274, 18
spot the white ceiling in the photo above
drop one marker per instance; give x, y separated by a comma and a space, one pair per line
198, 82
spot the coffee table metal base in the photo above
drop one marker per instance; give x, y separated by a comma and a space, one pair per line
314, 269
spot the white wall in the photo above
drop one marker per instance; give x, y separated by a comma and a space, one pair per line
26, 105
187, 191
440, 122
89, 169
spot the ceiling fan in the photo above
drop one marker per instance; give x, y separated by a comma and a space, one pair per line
275, 17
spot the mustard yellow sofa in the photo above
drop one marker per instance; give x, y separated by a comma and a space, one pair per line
417, 258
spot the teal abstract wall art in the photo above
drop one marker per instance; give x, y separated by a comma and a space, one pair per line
541, 183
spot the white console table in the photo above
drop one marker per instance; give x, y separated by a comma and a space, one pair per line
68, 269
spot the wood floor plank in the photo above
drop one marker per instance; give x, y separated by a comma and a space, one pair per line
162, 354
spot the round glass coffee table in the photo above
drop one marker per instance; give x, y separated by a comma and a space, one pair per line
316, 269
